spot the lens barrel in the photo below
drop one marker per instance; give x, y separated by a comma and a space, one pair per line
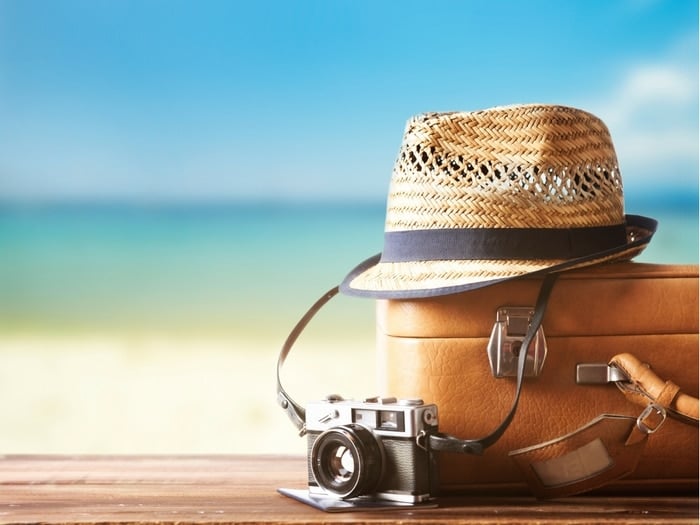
347, 460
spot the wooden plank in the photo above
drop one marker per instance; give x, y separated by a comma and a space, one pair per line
242, 489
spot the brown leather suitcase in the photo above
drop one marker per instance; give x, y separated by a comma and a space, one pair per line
448, 349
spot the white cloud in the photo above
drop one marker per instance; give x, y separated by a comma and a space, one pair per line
652, 115
652, 86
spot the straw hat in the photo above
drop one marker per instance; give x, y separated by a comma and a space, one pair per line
481, 197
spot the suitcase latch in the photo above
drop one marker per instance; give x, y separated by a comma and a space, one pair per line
598, 374
506, 340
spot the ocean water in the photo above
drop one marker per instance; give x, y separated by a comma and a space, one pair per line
227, 269
244, 269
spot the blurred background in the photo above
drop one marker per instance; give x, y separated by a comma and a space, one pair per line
180, 180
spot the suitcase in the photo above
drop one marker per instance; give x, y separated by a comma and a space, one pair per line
448, 350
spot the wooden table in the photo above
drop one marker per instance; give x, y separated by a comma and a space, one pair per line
242, 489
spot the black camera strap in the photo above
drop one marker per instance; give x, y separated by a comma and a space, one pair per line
296, 412
449, 443
440, 442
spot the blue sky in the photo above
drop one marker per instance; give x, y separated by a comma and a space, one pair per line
174, 100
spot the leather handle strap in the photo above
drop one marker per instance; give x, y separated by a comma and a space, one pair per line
610, 446
644, 386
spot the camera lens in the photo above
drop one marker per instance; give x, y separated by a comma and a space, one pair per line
347, 460
341, 465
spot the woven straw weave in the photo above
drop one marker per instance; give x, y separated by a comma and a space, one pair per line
530, 166
512, 167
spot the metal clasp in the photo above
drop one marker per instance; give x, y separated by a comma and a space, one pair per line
512, 323
598, 374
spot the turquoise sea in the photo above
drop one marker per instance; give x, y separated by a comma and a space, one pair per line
247, 269
224, 269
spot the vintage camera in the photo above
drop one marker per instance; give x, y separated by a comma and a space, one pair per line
373, 449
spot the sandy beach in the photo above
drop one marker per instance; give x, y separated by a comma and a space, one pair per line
158, 394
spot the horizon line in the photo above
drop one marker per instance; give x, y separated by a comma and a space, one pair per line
686, 196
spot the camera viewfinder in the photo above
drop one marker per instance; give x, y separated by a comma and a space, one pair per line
390, 420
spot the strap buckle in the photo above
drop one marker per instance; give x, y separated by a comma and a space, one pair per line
654, 412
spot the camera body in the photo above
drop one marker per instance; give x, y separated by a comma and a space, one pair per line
376, 448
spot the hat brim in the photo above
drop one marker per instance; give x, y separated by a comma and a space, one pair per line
415, 279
